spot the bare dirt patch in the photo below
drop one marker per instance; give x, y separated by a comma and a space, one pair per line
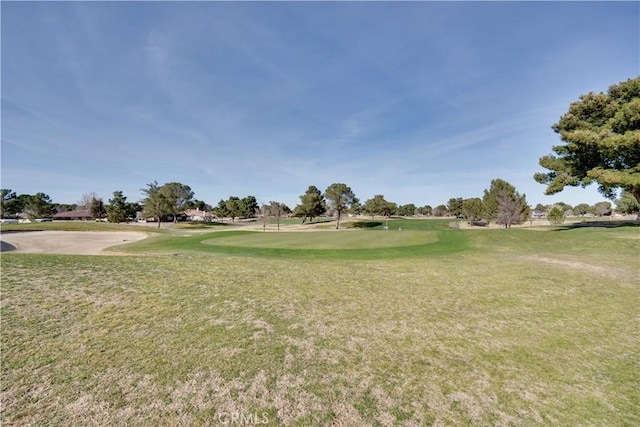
65, 242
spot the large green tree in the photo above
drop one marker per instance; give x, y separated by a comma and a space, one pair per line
118, 209
312, 205
339, 197
97, 209
248, 206
39, 206
472, 209
601, 143
221, 210
454, 206
407, 210
177, 195
8, 199
377, 205
503, 204
155, 203
234, 207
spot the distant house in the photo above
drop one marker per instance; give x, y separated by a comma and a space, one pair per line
78, 215
197, 215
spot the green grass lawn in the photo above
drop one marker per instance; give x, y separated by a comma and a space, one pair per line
424, 326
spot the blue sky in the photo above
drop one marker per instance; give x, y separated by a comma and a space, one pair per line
419, 101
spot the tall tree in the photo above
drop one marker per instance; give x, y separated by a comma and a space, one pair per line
512, 208
503, 204
248, 206
377, 205
177, 196
39, 206
7, 199
472, 209
440, 210
454, 206
601, 135
96, 207
155, 203
221, 210
234, 207
407, 210
312, 205
339, 197
118, 209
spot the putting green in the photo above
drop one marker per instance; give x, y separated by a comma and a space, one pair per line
354, 239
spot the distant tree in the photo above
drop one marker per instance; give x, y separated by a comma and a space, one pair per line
234, 207
177, 196
155, 203
264, 213
198, 205
602, 208
472, 209
7, 199
564, 206
556, 215
248, 206
39, 206
454, 206
601, 135
503, 204
118, 209
339, 197
65, 207
312, 205
378, 206
512, 208
425, 210
221, 210
440, 210
627, 204
97, 208
540, 208
356, 207
407, 210
276, 210
87, 200
583, 209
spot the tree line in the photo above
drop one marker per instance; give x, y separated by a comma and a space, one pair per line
501, 203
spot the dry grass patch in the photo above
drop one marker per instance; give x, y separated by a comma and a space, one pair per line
474, 338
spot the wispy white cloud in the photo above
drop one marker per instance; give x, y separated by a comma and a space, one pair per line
430, 99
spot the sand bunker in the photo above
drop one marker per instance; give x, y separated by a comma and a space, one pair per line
65, 242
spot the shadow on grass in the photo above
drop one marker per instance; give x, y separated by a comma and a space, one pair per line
202, 224
365, 224
599, 224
